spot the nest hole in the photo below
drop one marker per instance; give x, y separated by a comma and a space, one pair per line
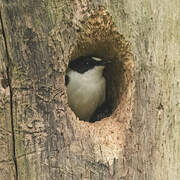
118, 76
99, 38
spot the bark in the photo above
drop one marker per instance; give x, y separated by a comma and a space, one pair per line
41, 138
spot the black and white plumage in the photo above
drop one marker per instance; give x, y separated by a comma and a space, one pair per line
86, 86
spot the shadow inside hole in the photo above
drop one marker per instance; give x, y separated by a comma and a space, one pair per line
115, 87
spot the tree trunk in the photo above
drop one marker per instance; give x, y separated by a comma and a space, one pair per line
41, 138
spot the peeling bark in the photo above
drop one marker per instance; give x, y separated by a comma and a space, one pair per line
8, 84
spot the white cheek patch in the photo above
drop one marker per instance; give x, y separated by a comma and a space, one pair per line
97, 59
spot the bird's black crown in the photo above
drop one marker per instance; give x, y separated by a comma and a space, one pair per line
85, 63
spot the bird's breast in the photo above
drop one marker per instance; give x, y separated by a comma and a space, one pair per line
85, 94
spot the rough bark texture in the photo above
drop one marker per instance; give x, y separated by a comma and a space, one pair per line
41, 138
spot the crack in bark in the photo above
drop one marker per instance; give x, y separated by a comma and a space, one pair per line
11, 99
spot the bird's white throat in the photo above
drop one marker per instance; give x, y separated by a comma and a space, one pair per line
86, 91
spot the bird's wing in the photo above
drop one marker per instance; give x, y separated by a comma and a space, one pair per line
66, 80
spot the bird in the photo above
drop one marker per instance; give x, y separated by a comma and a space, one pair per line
86, 85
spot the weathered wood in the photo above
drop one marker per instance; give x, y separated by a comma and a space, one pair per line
140, 140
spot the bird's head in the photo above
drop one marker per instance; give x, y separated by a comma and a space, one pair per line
85, 63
